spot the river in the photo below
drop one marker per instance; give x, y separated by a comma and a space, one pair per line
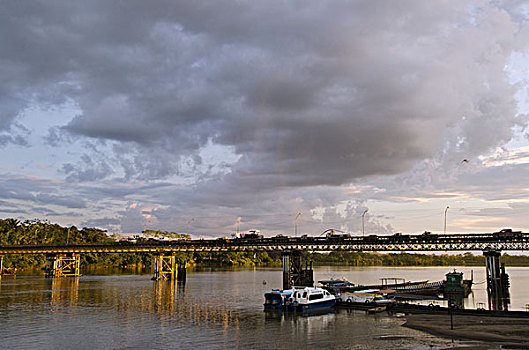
216, 309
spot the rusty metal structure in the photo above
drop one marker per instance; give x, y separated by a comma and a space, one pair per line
293, 272
497, 281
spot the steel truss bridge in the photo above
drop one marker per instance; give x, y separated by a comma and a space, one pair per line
395, 243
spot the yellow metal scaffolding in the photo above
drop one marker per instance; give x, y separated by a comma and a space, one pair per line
165, 267
63, 265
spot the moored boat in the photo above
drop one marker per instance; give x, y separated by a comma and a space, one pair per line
276, 298
428, 288
343, 286
305, 299
368, 297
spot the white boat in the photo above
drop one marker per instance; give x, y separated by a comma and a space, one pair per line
310, 298
365, 296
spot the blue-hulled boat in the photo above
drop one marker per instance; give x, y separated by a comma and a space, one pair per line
300, 299
277, 298
305, 299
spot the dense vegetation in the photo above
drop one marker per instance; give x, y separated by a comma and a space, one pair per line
14, 232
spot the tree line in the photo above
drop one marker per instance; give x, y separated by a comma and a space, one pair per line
15, 232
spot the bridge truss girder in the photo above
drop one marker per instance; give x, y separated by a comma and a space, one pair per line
469, 242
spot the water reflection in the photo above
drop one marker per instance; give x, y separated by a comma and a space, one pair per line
171, 297
64, 291
215, 309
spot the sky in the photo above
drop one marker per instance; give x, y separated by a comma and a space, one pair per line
210, 117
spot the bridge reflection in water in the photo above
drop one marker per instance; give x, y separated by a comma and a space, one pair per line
170, 296
64, 291
166, 299
63, 260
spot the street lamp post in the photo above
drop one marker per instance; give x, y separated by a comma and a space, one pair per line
238, 223
193, 219
446, 209
451, 306
296, 226
363, 215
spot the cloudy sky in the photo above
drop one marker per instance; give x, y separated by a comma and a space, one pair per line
218, 115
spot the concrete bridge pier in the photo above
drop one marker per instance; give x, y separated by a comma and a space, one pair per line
63, 265
497, 281
293, 272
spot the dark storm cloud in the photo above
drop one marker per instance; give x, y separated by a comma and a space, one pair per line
308, 93
90, 170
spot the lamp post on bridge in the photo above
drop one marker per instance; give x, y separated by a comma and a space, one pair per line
187, 230
363, 215
296, 226
238, 223
446, 209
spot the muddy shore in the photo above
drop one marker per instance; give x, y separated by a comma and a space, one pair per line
505, 330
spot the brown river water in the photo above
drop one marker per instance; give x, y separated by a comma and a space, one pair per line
216, 309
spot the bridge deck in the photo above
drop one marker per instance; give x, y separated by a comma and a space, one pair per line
429, 242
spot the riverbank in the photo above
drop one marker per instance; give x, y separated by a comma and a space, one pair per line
504, 330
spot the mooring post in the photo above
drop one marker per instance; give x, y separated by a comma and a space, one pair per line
164, 267
451, 306
63, 265
497, 281
285, 260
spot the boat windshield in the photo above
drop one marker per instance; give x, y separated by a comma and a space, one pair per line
315, 296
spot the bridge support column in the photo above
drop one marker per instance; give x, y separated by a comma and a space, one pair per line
181, 274
293, 272
1, 265
165, 267
62, 265
497, 281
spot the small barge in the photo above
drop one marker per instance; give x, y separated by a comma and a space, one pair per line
453, 284
343, 286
